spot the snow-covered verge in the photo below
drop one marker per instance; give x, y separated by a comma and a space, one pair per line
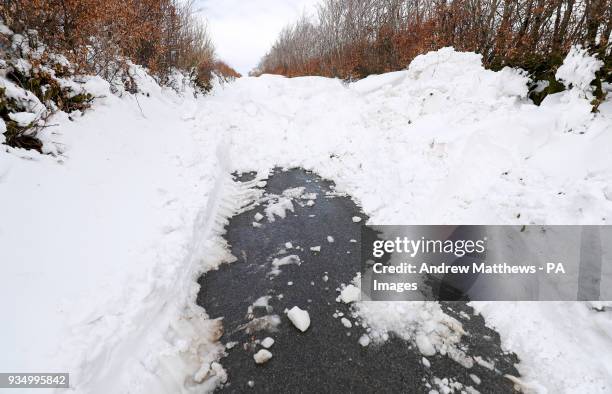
102, 244
448, 142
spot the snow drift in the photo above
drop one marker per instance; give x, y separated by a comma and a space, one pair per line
102, 244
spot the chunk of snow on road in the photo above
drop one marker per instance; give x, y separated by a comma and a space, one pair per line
267, 342
364, 340
256, 225
475, 379
295, 192
425, 362
422, 323
300, 318
346, 322
258, 216
350, 293
325, 278
310, 203
483, 363
207, 370
425, 346
356, 219
262, 356
251, 383
330, 239
279, 262
288, 245
315, 248
278, 208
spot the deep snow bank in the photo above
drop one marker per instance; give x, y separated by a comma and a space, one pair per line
102, 244
445, 142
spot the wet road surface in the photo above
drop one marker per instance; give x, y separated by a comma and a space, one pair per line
327, 357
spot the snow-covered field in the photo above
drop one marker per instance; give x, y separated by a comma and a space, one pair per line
102, 244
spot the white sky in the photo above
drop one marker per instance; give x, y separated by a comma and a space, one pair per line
244, 30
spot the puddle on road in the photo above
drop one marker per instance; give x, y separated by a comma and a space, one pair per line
328, 356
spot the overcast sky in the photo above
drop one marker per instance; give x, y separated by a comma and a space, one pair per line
244, 30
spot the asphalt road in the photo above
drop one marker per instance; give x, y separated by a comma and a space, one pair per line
327, 357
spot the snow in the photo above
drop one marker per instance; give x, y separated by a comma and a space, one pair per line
356, 219
262, 356
279, 262
350, 293
364, 340
315, 248
346, 322
112, 236
553, 331
23, 119
258, 216
330, 239
295, 192
279, 208
300, 318
446, 132
262, 302
578, 69
116, 228
267, 342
